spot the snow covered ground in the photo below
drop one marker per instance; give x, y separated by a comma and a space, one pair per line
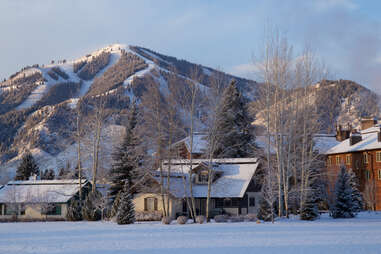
359, 235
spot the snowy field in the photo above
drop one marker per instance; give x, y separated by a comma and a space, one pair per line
359, 235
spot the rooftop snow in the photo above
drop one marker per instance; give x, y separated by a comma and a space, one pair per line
39, 191
233, 182
200, 143
369, 142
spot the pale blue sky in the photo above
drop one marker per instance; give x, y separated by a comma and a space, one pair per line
219, 33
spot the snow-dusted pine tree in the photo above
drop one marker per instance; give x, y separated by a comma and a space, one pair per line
74, 211
27, 167
90, 210
126, 159
126, 210
343, 206
233, 125
309, 210
357, 198
264, 211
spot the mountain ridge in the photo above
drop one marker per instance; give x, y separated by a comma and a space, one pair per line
38, 103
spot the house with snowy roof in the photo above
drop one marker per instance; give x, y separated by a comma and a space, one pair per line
361, 153
198, 148
235, 187
38, 199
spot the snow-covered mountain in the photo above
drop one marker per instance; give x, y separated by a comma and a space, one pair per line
38, 104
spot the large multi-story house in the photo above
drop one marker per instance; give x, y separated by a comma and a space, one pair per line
359, 151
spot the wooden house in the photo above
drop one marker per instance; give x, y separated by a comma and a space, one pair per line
235, 188
38, 199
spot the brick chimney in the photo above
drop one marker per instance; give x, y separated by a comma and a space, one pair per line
355, 138
368, 122
343, 133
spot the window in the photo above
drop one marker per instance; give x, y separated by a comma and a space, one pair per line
1, 209
348, 159
203, 177
10, 209
54, 209
227, 202
22, 209
379, 174
378, 156
329, 161
338, 160
150, 204
367, 174
252, 201
219, 203
185, 207
366, 158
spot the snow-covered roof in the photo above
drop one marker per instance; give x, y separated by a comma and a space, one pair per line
39, 191
324, 142
233, 182
369, 142
200, 143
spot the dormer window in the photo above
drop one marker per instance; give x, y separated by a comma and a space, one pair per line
203, 177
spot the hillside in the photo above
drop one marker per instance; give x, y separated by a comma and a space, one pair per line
39, 104
337, 102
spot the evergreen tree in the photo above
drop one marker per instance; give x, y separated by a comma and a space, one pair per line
343, 206
48, 174
90, 211
27, 168
357, 199
126, 210
233, 125
264, 211
74, 211
309, 210
126, 158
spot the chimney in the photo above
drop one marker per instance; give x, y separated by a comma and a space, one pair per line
368, 122
355, 138
343, 133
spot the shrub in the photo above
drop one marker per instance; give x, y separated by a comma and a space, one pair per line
221, 218
182, 220
251, 217
200, 219
148, 216
166, 220
237, 218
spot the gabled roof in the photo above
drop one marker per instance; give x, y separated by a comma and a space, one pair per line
200, 143
233, 182
39, 191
